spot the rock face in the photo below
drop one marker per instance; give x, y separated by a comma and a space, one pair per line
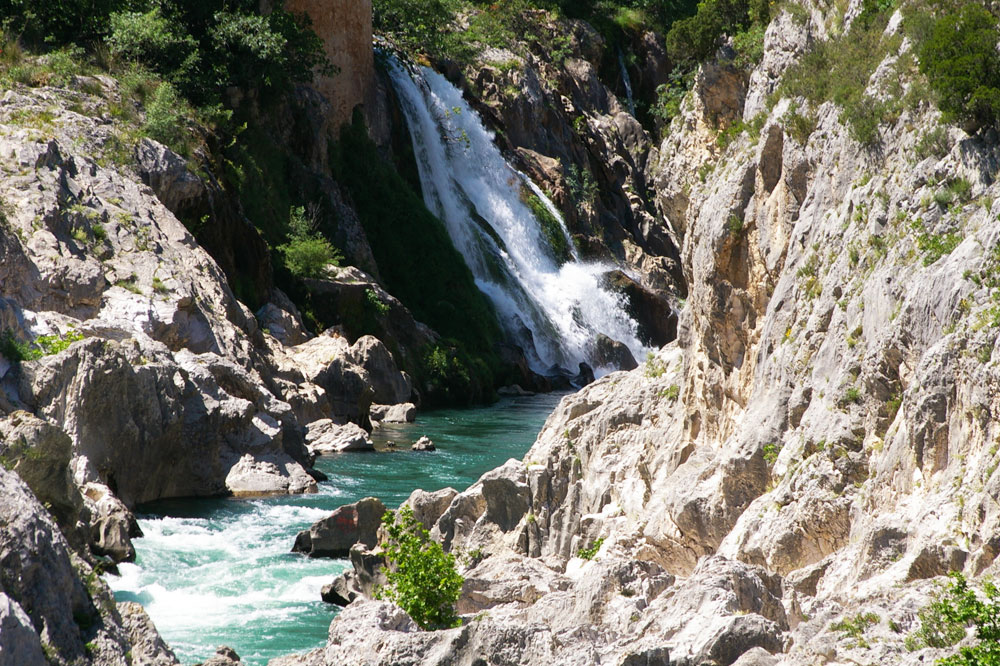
346, 29
816, 444
54, 608
347, 525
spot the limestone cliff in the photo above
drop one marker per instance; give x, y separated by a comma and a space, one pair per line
817, 446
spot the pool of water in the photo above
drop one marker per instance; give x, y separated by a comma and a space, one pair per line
216, 572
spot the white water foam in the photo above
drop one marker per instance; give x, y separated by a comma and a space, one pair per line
553, 311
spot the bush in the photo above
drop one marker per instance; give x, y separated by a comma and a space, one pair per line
962, 65
423, 579
417, 25
944, 621
148, 38
307, 254
165, 118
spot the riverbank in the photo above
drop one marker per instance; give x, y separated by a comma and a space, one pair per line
214, 571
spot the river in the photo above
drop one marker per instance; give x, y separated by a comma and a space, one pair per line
216, 572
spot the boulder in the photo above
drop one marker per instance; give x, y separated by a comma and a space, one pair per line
423, 444
224, 656
427, 507
610, 353
334, 535
405, 412
112, 525
585, 376
325, 437
652, 309
258, 476
148, 647
327, 362
390, 386
282, 320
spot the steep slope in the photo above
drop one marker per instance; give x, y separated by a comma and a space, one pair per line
783, 483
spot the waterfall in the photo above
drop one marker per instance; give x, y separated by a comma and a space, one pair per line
627, 81
513, 239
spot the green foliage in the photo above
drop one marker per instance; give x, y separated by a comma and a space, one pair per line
670, 95
44, 345
416, 25
695, 38
654, 367
771, 452
53, 22
423, 579
944, 621
935, 246
671, 393
166, 119
838, 70
583, 188
148, 38
307, 254
962, 65
375, 303
933, 144
589, 553
852, 396
855, 626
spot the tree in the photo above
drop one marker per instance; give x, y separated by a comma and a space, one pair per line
962, 65
423, 579
307, 253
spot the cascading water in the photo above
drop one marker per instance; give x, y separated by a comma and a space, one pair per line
552, 306
627, 81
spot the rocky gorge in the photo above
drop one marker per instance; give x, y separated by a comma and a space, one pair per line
785, 480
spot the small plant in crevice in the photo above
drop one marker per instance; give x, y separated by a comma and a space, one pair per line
855, 626
671, 393
771, 452
852, 396
589, 553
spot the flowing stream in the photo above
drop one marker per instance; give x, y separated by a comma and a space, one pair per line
512, 237
219, 572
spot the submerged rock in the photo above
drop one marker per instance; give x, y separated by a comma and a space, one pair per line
423, 444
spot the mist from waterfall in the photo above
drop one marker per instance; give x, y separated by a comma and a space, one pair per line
552, 306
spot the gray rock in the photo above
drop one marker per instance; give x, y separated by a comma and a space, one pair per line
325, 437
224, 656
428, 506
282, 319
402, 413
389, 384
423, 444
267, 475
148, 647
19, 643
349, 524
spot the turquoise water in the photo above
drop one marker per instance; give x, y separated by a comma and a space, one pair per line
219, 572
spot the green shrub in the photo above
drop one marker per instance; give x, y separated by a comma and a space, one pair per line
935, 246
944, 621
417, 25
960, 59
423, 579
307, 254
150, 39
589, 553
166, 120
